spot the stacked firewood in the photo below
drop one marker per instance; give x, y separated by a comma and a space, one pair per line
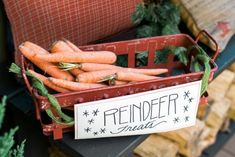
212, 118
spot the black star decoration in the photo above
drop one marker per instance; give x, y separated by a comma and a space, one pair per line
190, 100
91, 121
186, 94
102, 131
186, 108
95, 112
176, 120
186, 118
95, 133
87, 129
85, 113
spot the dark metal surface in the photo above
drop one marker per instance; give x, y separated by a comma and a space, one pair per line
103, 147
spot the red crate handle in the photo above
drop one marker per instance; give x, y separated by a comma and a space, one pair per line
23, 72
216, 52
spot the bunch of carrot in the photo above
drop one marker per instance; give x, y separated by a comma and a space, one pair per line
71, 69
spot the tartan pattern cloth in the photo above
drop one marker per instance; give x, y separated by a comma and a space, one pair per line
80, 21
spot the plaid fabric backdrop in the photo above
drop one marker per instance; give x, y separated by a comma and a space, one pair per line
80, 21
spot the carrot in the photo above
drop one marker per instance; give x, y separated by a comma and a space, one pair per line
98, 76
47, 67
117, 82
76, 72
60, 46
71, 45
74, 86
47, 82
90, 57
135, 77
71, 68
98, 67
152, 72
94, 76
33, 46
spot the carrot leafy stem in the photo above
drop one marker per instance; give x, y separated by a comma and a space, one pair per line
38, 84
68, 66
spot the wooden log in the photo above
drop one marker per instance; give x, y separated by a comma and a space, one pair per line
203, 111
187, 138
205, 139
231, 111
232, 67
218, 87
231, 95
157, 146
218, 113
231, 92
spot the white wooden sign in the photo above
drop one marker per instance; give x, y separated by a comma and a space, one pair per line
159, 110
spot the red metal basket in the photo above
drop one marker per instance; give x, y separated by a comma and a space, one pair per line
130, 47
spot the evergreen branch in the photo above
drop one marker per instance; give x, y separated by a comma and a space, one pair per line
2, 110
19, 150
6, 142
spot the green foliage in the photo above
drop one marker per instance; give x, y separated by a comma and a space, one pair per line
161, 55
2, 109
141, 59
156, 18
38, 84
181, 54
7, 140
122, 60
19, 151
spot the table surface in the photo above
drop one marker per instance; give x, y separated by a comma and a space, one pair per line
104, 147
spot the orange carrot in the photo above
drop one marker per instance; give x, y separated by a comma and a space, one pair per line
98, 67
94, 76
74, 86
47, 82
72, 46
47, 67
117, 82
152, 72
60, 46
90, 57
135, 77
33, 46
76, 72
67, 49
